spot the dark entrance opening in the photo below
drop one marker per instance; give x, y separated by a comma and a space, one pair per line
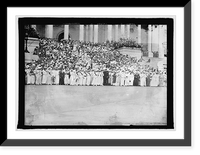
61, 36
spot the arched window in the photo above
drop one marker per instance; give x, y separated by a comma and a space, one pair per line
61, 36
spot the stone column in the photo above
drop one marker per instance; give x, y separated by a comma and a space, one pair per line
95, 33
161, 36
165, 38
91, 33
150, 54
49, 31
122, 31
87, 33
116, 33
81, 33
139, 34
155, 38
109, 32
128, 31
66, 31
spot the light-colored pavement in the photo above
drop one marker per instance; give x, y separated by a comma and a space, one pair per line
90, 105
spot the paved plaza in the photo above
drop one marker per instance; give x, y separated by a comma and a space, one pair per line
95, 105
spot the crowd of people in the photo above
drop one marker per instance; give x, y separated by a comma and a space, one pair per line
125, 42
70, 62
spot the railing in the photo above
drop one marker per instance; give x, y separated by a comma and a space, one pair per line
145, 53
155, 54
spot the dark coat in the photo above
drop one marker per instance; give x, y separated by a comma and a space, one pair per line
136, 80
105, 77
61, 78
148, 80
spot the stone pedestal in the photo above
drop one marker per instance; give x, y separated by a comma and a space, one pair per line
150, 54
49, 31
66, 31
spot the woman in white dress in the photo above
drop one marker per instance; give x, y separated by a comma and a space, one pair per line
94, 78
97, 78
142, 79
161, 79
165, 79
75, 78
84, 78
28, 76
123, 75
131, 76
155, 80
111, 78
80, 78
101, 78
37, 75
53, 76
88, 78
44, 76
127, 78
32, 74
91, 77
49, 77
72, 77
57, 77
40, 77
118, 79
66, 79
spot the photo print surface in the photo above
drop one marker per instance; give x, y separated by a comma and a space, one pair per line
112, 73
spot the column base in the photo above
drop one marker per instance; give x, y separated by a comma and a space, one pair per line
150, 54
161, 55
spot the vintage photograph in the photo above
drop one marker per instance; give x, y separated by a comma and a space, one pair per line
95, 74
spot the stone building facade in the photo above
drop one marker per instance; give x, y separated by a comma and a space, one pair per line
153, 38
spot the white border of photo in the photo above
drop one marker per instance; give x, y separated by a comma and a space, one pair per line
12, 63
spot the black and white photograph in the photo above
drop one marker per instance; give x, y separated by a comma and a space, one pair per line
99, 77
96, 72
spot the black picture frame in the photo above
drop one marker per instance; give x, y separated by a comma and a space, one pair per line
125, 142
169, 22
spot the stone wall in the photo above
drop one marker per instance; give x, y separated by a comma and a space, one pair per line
103, 34
31, 44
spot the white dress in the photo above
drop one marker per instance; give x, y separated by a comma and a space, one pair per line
37, 77
72, 78
28, 76
40, 81
91, 78
80, 79
32, 77
66, 79
122, 79
95, 80
98, 78
142, 80
84, 79
88, 79
111, 78
49, 82
155, 80
127, 80
101, 76
44, 77
57, 77
131, 79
